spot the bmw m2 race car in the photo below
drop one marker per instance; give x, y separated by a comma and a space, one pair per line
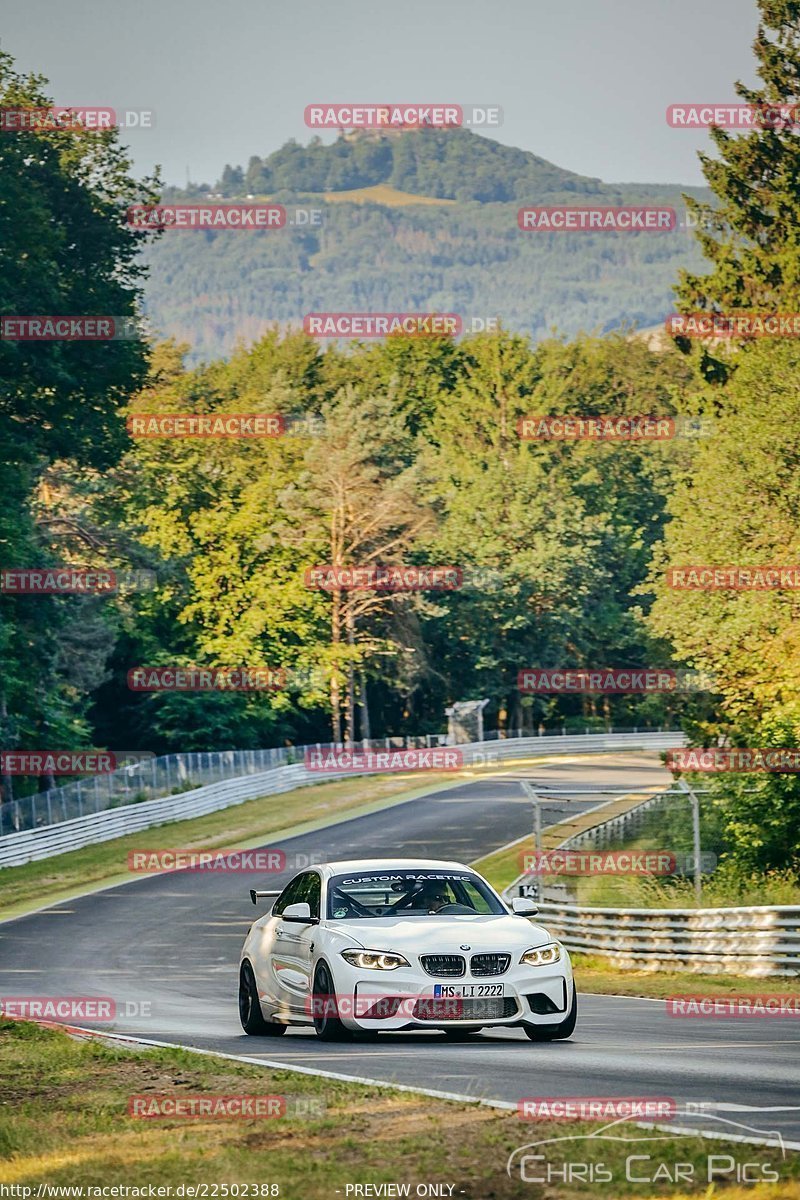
402, 944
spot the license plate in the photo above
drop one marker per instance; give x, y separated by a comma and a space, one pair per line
467, 991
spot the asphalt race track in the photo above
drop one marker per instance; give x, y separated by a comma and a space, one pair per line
166, 948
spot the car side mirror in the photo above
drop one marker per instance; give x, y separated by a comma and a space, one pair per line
299, 914
521, 905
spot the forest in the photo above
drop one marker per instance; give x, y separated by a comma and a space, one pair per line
399, 453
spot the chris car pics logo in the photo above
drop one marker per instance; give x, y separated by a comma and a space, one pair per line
622, 1152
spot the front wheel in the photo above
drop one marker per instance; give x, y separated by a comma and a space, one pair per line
326, 1025
556, 1033
250, 1013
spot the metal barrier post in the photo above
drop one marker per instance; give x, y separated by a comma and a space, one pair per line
696, 865
533, 796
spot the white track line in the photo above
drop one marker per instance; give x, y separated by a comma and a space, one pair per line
282, 1066
504, 1105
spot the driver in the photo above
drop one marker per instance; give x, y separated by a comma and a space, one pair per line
432, 896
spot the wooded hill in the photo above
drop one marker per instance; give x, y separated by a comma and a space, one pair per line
467, 256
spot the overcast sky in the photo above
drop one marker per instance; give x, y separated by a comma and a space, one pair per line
584, 83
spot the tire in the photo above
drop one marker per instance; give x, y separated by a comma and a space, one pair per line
461, 1035
556, 1033
326, 1027
250, 1013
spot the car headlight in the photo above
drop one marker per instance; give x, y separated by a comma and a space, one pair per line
375, 960
542, 956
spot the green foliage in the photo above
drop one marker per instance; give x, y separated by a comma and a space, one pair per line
215, 290
452, 164
730, 886
469, 257
561, 532
65, 251
411, 455
751, 234
740, 504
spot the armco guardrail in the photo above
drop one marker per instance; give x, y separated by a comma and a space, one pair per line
145, 777
618, 827
29, 845
757, 941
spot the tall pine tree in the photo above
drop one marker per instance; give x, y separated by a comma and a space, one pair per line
751, 234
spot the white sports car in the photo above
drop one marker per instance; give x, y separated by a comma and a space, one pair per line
392, 944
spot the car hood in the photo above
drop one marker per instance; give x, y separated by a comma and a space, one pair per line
443, 935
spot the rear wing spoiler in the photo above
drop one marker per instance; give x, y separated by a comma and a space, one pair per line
255, 896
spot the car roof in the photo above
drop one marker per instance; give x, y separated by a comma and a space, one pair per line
347, 866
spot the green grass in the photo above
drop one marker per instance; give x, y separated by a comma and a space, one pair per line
599, 974
596, 974
241, 826
64, 1121
727, 887
503, 866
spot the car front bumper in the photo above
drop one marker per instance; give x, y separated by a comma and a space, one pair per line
530, 995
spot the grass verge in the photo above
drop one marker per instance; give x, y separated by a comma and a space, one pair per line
503, 866
64, 1122
242, 826
598, 975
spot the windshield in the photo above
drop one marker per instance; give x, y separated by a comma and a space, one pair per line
411, 893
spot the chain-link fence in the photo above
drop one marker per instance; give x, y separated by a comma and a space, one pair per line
150, 777
170, 774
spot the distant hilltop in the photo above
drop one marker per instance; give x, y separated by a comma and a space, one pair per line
438, 163
372, 135
445, 164
416, 221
